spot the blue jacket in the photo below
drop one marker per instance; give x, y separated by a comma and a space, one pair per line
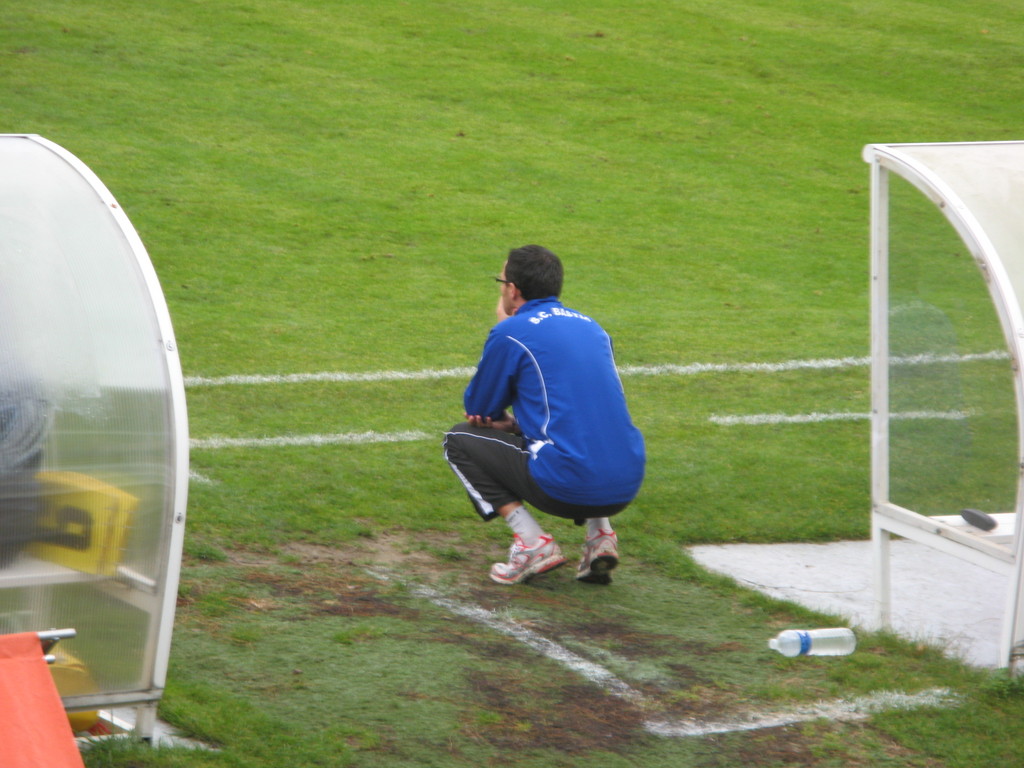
554, 367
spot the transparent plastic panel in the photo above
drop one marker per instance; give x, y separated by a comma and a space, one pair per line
85, 422
953, 424
989, 179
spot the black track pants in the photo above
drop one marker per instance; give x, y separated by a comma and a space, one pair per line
493, 466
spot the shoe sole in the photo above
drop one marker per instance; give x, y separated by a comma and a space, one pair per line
544, 567
600, 570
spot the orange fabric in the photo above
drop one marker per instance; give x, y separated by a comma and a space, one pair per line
34, 729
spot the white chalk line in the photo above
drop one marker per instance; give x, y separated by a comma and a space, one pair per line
328, 376
667, 369
215, 443
760, 419
196, 477
347, 438
844, 710
859, 708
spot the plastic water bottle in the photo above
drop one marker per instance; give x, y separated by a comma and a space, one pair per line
839, 641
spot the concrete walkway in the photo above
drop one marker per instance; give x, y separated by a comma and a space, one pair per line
936, 598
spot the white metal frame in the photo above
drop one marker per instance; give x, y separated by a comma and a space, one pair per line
145, 701
1001, 549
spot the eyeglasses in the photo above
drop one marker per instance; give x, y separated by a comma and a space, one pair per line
502, 280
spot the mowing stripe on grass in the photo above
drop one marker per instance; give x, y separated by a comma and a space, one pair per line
758, 419
853, 709
347, 438
625, 370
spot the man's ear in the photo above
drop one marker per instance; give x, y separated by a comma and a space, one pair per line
517, 296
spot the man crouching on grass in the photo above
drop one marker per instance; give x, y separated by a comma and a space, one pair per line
568, 447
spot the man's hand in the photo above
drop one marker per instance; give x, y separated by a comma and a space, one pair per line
506, 423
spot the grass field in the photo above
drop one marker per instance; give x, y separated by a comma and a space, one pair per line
329, 187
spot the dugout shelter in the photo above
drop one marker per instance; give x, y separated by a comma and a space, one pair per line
93, 435
947, 345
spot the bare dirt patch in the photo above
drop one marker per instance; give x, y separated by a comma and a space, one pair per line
777, 746
509, 706
391, 551
623, 638
324, 594
569, 718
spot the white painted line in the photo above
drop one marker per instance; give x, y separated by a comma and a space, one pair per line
759, 419
625, 370
195, 477
853, 709
589, 670
329, 376
846, 710
786, 365
931, 359
214, 443
804, 365
348, 438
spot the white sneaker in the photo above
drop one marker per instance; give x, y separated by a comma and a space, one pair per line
600, 556
526, 562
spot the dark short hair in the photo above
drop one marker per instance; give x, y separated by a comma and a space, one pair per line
536, 272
